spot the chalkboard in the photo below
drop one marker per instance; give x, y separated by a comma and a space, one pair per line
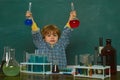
99, 18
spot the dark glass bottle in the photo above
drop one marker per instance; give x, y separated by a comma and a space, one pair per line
109, 54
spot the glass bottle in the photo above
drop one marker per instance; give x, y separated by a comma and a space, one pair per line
109, 53
5, 57
11, 67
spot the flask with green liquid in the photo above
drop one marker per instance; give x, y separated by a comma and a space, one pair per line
11, 67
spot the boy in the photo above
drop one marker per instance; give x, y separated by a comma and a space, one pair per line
51, 42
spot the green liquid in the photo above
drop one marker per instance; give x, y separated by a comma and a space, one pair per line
11, 70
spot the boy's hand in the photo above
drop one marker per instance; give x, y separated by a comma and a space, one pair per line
28, 14
34, 26
73, 22
72, 15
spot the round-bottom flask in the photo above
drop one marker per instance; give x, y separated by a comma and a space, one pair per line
11, 67
28, 22
74, 23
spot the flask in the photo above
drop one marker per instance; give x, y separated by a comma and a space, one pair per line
28, 20
110, 56
5, 57
75, 22
11, 67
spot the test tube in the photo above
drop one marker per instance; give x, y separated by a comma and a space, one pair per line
76, 60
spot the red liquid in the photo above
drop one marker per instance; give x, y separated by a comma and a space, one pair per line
74, 23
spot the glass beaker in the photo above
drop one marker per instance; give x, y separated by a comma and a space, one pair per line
11, 67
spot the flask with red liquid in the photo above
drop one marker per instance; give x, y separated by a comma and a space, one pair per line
109, 54
75, 22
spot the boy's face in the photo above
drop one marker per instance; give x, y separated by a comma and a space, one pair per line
51, 38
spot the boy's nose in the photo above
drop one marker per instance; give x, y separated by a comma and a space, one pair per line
52, 37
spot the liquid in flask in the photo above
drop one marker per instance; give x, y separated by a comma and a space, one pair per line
11, 67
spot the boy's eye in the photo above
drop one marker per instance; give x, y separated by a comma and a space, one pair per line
55, 35
48, 35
